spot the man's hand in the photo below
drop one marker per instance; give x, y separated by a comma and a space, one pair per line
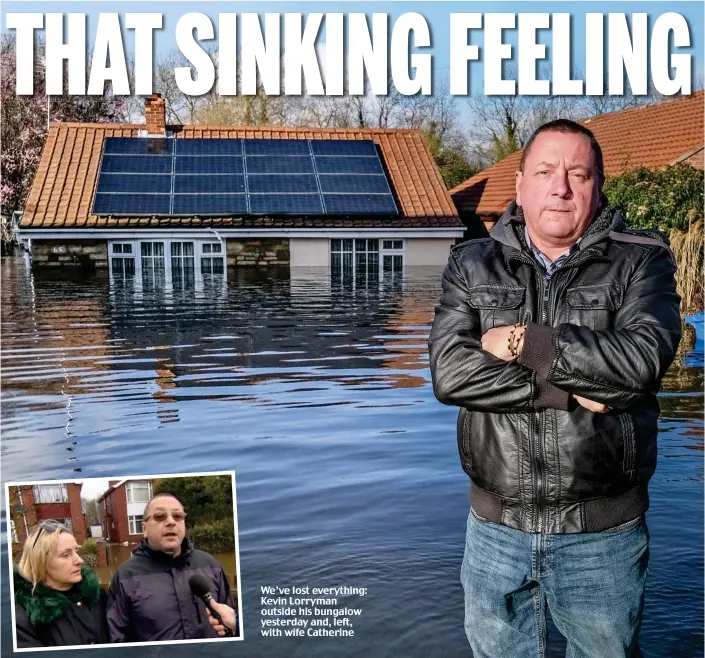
591, 405
227, 614
495, 341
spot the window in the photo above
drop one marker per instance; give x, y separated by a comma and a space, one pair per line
135, 524
50, 493
139, 492
182, 260
123, 261
66, 522
350, 257
13, 531
212, 263
363, 256
152, 258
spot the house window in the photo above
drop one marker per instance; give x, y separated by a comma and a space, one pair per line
211, 258
13, 531
139, 492
123, 259
365, 256
50, 493
135, 524
152, 258
182, 260
67, 523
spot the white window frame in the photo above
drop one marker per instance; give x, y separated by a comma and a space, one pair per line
202, 254
41, 493
13, 532
382, 252
135, 523
129, 490
198, 254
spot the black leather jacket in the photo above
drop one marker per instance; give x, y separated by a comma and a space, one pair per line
605, 327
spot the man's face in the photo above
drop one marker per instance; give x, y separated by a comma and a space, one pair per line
559, 189
165, 524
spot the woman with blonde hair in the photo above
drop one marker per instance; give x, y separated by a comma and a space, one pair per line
58, 600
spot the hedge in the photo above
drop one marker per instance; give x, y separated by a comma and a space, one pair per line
215, 536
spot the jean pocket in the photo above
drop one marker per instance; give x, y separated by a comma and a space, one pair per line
481, 519
624, 527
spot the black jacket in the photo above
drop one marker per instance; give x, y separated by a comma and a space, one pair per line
605, 327
49, 618
149, 597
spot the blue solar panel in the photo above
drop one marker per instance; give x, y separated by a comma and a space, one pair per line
360, 204
276, 147
194, 164
136, 164
131, 204
286, 204
342, 165
141, 146
273, 183
354, 184
134, 183
343, 147
145, 176
215, 204
209, 147
263, 164
200, 184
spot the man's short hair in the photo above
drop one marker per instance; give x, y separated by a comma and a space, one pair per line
567, 126
159, 495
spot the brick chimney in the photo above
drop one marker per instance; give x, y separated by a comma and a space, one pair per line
154, 115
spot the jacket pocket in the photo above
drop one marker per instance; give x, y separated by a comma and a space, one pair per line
464, 439
629, 442
594, 305
499, 306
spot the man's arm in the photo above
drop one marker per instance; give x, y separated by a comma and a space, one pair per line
117, 613
224, 595
615, 367
466, 375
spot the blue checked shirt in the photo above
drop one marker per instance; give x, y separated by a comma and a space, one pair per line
549, 267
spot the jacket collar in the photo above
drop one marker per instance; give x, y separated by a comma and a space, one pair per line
145, 550
606, 220
45, 605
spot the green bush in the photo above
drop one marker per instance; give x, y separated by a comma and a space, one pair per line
90, 547
214, 537
665, 199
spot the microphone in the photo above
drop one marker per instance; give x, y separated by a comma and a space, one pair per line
201, 588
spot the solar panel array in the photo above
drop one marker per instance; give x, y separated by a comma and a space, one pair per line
201, 177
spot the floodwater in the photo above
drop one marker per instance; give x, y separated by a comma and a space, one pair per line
318, 395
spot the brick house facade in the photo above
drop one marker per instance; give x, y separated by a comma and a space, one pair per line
121, 509
32, 504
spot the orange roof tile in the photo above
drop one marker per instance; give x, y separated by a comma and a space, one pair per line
650, 136
62, 192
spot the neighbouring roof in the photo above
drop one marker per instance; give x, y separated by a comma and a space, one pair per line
62, 192
652, 136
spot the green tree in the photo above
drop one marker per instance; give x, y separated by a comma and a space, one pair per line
664, 199
205, 498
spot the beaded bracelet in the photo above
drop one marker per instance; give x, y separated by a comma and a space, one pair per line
515, 347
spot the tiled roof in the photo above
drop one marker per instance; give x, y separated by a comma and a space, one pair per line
62, 191
650, 136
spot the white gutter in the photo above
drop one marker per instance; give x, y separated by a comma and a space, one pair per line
206, 232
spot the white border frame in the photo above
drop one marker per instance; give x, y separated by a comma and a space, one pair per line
73, 647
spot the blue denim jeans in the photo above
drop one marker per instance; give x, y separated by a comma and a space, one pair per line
593, 584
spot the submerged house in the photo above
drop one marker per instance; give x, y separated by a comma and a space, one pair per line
178, 200
652, 136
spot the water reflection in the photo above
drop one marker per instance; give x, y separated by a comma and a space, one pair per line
317, 392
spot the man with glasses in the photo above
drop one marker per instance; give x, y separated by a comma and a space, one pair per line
149, 597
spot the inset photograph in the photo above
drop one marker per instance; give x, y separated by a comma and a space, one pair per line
144, 559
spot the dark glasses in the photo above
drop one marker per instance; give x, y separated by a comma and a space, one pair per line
49, 527
161, 517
